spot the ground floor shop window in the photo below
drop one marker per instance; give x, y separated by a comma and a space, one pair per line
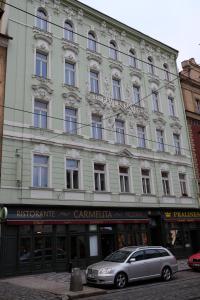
78, 247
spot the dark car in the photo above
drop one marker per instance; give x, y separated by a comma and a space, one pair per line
194, 261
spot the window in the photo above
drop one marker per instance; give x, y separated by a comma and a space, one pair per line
99, 177
183, 184
136, 95
160, 140
92, 44
124, 179
68, 31
72, 174
151, 253
113, 50
120, 131
166, 71
40, 114
146, 188
116, 89
96, 127
139, 255
141, 136
198, 106
165, 183
40, 170
150, 65
71, 120
69, 73
177, 144
41, 20
132, 59
94, 82
155, 101
41, 64
171, 106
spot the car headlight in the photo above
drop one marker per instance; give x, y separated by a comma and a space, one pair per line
105, 271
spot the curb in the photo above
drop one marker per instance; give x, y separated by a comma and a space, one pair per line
78, 295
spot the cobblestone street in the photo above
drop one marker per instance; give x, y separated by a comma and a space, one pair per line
13, 292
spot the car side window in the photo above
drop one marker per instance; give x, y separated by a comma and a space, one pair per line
163, 252
151, 253
139, 255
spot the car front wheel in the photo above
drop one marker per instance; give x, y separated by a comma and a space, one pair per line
166, 274
120, 280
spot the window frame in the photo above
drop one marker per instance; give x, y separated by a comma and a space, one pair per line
120, 132
92, 41
99, 173
155, 101
146, 182
141, 136
183, 184
113, 51
124, 179
116, 89
132, 58
166, 183
137, 95
42, 62
97, 131
177, 143
72, 170
94, 82
40, 22
166, 72
151, 67
39, 167
160, 140
171, 103
68, 32
40, 115
73, 120
70, 73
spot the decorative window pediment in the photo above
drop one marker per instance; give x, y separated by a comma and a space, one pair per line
160, 123
125, 153
100, 158
176, 127
43, 36
94, 56
42, 91
71, 46
71, 99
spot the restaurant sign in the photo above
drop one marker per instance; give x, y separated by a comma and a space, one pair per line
66, 214
182, 215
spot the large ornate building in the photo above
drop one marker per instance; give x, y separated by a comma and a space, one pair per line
95, 147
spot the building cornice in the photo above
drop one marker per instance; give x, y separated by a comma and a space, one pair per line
113, 22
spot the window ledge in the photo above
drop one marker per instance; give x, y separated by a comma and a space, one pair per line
127, 193
41, 188
148, 195
101, 192
169, 196
74, 190
41, 129
143, 148
98, 140
42, 79
42, 31
70, 87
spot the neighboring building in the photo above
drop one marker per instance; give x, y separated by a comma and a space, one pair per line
4, 39
190, 84
90, 162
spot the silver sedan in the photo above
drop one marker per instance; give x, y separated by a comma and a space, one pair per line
133, 263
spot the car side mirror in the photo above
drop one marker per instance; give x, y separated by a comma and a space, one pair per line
132, 260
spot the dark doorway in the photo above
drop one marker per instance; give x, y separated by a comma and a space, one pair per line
195, 240
156, 231
107, 244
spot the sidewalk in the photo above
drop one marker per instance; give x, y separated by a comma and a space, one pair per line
59, 283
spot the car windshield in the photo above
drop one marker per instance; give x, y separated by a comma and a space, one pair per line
118, 256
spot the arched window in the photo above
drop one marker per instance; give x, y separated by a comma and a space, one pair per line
166, 71
132, 58
92, 44
150, 65
41, 20
113, 50
68, 31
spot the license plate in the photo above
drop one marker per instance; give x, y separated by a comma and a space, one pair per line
91, 276
196, 265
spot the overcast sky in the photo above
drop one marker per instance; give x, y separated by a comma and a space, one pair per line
173, 22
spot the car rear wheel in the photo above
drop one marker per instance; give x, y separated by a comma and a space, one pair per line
166, 274
121, 280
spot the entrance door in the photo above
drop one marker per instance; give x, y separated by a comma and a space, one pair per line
107, 244
43, 253
156, 231
195, 240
